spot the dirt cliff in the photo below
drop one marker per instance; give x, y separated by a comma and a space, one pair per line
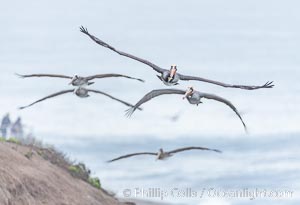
27, 178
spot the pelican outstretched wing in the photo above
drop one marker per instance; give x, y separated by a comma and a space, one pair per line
193, 148
112, 75
245, 87
107, 95
227, 102
47, 97
134, 154
153, 94
44, 75
102, 43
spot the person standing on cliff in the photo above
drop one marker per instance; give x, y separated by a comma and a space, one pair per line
16, 129
5, 123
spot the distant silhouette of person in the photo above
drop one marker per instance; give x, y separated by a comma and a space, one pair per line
16, 129
5, 125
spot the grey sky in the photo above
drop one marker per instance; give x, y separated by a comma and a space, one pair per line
243, 42
239, 42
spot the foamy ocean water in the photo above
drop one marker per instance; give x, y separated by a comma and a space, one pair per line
247, 42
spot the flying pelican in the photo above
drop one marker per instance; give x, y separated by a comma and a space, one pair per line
175, 117
161, 154
80, 92
171, 77
194, 97
79, 80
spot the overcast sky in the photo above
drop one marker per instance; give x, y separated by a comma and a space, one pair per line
241, 42
236, 42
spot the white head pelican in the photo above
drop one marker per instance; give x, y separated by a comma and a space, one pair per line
77, 80
171, 77
193, 97
80, 92
161, 154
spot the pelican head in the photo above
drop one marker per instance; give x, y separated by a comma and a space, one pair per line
75, 77
173, 70
188, 92
160, 154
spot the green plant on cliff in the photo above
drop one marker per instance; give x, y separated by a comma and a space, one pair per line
80, 171
95, 182
13, 140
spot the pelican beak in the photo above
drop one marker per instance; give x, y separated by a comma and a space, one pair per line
187, 93
172, 73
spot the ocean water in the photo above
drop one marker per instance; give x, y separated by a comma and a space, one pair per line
248, 165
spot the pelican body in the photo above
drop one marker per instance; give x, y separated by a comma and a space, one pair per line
81, 92
165, 78
161, 155
195, 98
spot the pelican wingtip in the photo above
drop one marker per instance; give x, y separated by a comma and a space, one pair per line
83, 29
218, 151
129, 112
19, 75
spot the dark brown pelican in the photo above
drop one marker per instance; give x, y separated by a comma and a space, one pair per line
161, 154
78, 80
193, 97
80, 92
171, 77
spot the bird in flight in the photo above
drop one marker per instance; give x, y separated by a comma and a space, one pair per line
175, 117
194, 97
79, 80
80, 92
161, 154
170, 76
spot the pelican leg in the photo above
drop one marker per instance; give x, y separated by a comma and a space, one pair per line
199, 103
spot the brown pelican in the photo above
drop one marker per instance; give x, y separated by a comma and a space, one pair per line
161, 154
171, 77
194, 97
80, 92
175, 117
78, 80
